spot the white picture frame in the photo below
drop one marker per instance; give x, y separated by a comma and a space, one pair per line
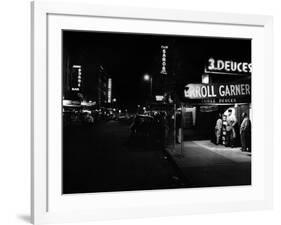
48, 19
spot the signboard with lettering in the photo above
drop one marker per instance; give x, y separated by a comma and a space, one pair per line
228, 67
218, 93
76, 77
109, 90
164, 59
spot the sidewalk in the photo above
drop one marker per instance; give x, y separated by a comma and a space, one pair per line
234, 154
204, 164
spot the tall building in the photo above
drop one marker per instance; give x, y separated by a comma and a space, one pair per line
101, 87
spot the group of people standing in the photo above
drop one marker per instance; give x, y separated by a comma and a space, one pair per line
227, 130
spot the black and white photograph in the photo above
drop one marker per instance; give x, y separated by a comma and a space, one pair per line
153, 111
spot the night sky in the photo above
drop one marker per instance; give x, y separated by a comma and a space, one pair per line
127, 57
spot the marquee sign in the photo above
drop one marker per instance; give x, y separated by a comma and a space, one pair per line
218, 93
228, 67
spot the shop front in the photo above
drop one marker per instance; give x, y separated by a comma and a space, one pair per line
203, 104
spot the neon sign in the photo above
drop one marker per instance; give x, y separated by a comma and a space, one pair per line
164, 59
228, 67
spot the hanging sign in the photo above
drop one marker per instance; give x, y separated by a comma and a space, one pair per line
76, 77
164, 59
109, 90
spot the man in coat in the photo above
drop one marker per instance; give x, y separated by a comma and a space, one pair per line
245, 133
218, 129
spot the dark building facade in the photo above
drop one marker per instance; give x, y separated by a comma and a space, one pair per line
84, 80
102, 87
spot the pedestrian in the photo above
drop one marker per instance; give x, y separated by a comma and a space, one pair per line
230, 130
218, 129
163, 129
178, 127
245, 133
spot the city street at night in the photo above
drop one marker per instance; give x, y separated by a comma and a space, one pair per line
101, 158
149, 111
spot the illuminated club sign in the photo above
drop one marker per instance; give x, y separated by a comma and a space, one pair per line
164, 59
109, 93
228, 67
218, 93
76, 77
159, 98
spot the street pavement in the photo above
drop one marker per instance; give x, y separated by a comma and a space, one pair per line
204, 164
101, 158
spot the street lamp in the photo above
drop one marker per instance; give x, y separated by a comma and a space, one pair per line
146, 77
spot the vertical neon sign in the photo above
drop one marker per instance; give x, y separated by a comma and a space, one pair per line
109, 93
164, 59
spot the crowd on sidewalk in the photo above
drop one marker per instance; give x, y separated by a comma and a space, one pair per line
230, 133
